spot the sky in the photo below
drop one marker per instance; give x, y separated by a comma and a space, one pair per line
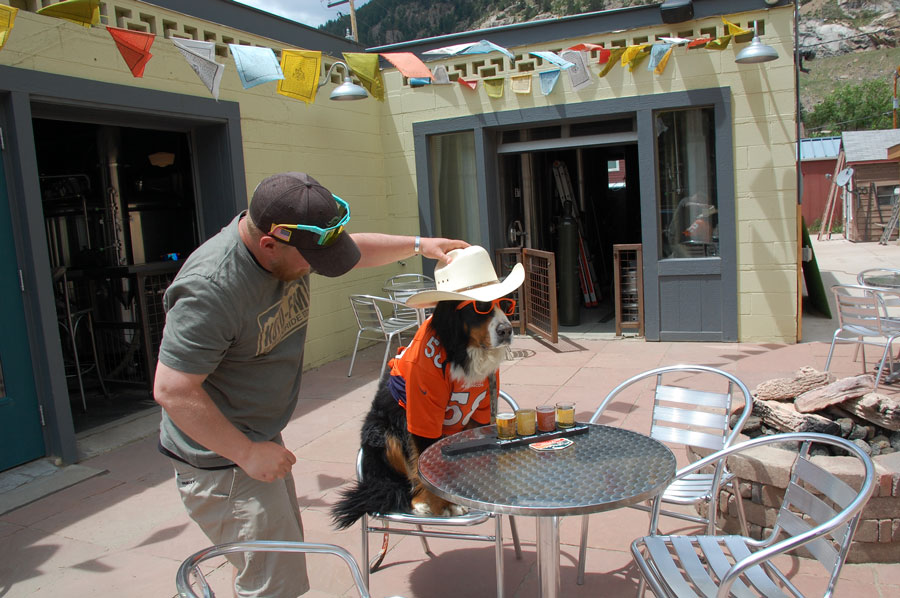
308, 12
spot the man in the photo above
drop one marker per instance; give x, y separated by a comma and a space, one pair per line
231, 360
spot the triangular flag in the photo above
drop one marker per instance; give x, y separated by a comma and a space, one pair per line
255, 65
366, 69
439, 75
734, 30
638, 58
408, 64
696, 43
659, 57
720, 43
465, 83
632, 52
585, 47
481, 47
301, 70
7, 17
80, 12
615, 54
678, 41
604, 56
134, 46
548, 81
579, 75
520, 83
201, 56
494, 87
553, 59
419, 81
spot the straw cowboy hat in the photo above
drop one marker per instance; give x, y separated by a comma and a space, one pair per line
470, 275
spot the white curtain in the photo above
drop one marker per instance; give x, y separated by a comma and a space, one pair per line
454, 194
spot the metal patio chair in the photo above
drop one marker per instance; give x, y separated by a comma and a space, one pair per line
403, 286
820, 512
191, 565
415, 526
863, 314
378, 321
688, 417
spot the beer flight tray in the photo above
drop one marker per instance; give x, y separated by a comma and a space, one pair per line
467, 446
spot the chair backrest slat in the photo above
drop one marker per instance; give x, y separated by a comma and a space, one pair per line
799, 500
697, 419
820, 548
825, 482
676, 394
684, 436
368, 316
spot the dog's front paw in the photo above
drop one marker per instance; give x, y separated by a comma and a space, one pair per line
422, 509
457, 510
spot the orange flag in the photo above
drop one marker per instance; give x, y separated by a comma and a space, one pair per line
408, 64
134, 46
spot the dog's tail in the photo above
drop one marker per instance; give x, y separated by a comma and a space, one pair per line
377, 496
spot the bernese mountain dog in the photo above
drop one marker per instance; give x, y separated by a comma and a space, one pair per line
436, 386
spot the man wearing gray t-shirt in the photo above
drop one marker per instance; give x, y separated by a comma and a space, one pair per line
231, 360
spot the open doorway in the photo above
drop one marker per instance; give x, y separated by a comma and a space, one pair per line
119, 216
603, 184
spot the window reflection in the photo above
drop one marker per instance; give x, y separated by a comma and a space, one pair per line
688, 204
454, 191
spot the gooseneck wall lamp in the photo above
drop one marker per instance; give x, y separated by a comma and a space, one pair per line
348, 90
756, 51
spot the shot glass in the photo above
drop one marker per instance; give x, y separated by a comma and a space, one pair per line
506, 426
525, 421
546, 418
565, 415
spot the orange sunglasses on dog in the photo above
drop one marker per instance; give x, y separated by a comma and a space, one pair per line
506, 305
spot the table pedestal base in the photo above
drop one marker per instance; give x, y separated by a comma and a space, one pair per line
548, 556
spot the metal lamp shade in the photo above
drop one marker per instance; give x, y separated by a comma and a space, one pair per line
756, 52
348, 90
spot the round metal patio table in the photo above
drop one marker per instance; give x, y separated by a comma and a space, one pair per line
606, 468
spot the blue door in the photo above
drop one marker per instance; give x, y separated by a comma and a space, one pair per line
21, 438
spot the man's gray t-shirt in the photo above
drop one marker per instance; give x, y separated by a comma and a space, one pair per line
229, 318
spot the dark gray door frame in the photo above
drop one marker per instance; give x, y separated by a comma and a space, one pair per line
215, 132
723, 267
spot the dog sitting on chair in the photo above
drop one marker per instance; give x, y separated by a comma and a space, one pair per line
438, 385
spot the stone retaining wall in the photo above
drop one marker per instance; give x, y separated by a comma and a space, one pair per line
764, 474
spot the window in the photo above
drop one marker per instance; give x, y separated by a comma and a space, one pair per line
688, 207
885, 194
454, 191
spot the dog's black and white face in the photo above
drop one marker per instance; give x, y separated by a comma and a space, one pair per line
475, 343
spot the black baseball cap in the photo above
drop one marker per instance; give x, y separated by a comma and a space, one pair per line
291, 198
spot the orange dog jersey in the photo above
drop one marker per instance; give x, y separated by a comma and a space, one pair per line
435, 404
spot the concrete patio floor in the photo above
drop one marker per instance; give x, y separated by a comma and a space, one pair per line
124, 532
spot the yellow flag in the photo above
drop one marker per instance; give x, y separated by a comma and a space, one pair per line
366, 69
520, 83
7, 16
494, 87
734, 29
301, 70
637, 57
614, 55
720, 43
663, 61
80, 12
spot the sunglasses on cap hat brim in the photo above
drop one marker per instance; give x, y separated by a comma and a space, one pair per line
327, 235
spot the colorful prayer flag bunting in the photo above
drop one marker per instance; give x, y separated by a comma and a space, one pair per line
466, 83
720, 43
553, 59
520, 83
480, 47
615, 54
585, 47
300, 70
494, 87
659, 57
548, 80
408, 64
202, 58
696, 43
7, 18
255, 65
439, 75
579, 75
365, 67
80, 12
134, 46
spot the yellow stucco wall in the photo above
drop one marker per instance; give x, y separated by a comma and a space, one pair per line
763, 108
363, 151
